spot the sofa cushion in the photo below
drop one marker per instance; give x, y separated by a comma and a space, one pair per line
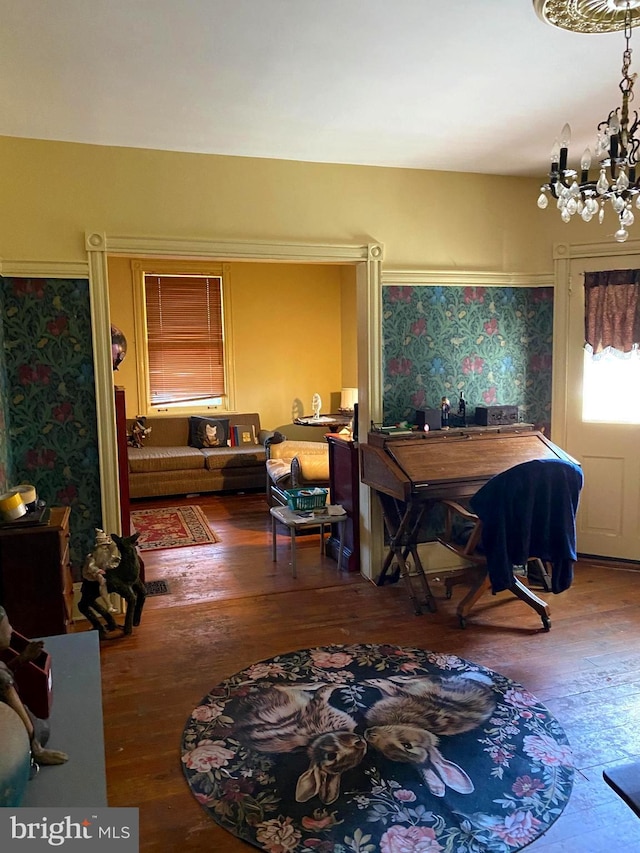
310, 468
146, 459
208, 432
233, 457
166, 431
290, 448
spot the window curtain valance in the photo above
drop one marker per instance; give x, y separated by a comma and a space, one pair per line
611, 315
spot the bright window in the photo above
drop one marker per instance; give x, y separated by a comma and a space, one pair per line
185, 342
610, 388
183, 318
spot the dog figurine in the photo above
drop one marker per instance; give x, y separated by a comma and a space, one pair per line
113, 565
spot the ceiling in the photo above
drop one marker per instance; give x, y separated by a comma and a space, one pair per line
462, 85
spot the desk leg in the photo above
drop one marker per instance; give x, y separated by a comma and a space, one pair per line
273, 538
293, 552
341, 546
402, 521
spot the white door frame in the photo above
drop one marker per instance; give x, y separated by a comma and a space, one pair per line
366, 257
563, 254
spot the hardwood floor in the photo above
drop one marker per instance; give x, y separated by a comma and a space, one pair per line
229, 606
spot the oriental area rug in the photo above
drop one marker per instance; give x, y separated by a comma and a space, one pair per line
367, 748
171, 527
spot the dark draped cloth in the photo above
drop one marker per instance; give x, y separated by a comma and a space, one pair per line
612, 311
530, 511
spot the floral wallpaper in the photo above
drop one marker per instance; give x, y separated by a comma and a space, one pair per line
492, 343
4, 403
50, 396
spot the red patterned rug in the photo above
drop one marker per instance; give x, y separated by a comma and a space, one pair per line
172, 527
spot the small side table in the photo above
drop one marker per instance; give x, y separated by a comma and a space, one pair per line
296, 521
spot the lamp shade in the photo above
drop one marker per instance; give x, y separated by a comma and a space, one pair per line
348, 398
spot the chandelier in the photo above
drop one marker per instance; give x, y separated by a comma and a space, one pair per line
615, 179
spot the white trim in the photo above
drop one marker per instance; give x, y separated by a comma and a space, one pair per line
105, 401
368, 259
571, 251
471, 278
44, 269
157, 247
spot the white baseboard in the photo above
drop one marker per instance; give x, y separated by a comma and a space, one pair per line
436, 558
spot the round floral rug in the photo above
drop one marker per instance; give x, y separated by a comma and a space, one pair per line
366, 748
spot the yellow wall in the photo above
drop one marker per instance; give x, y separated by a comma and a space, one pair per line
287, 335
52, 192
349, 329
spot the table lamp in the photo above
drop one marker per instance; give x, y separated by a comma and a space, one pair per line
348, 398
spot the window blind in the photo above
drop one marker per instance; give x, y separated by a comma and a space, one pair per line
185, 338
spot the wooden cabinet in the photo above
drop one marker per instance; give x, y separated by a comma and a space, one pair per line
344, 477
36, 586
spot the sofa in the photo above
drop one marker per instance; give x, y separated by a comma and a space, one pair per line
169, 464
294, 464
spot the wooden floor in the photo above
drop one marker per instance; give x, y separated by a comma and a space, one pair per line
229, 606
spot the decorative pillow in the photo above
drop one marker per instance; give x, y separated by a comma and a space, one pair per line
208, 432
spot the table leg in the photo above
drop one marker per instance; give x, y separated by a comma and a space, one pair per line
273, 538
341, 546
293, 552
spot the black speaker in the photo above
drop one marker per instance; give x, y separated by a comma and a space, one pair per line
355, 422
428, 417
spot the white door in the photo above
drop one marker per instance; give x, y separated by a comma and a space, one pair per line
609, 452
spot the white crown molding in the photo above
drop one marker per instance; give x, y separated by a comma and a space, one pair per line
202, 249
471, 278
44, 269
570, 251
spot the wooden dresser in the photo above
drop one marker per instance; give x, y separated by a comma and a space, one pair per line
36, 585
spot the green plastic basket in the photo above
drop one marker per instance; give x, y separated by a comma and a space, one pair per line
306, 498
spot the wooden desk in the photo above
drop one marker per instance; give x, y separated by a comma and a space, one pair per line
76, 727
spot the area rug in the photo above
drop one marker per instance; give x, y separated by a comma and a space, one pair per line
171, 527
366, 748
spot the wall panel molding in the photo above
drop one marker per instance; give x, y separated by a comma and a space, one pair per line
368, 259
44, 269
471, 278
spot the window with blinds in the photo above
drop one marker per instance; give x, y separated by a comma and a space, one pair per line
185, 338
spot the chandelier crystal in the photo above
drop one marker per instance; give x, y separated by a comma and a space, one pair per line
615, 183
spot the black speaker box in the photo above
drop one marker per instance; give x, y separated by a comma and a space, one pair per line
496, 415
428, 417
